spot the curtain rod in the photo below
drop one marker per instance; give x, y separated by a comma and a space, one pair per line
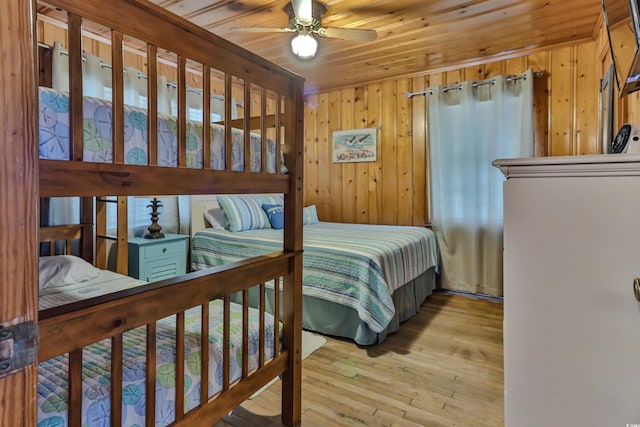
141, 75
509, 79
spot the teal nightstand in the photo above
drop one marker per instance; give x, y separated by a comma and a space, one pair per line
158, 259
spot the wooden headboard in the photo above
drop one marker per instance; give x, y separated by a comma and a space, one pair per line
198, 203
48, 237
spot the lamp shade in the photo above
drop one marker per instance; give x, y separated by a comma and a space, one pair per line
304, 46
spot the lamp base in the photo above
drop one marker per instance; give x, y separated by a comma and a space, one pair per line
154, 235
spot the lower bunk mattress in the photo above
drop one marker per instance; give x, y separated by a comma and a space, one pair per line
359, 281
53, 377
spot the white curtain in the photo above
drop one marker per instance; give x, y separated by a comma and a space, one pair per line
470, 125
135, 87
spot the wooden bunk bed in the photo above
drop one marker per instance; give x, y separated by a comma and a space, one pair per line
68, 330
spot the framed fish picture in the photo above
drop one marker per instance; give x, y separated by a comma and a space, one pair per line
357, 145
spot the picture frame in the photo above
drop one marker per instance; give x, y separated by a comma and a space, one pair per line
606, 110
356, 145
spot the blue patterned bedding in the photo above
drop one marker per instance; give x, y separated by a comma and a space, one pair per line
97, 124
355, 265
53, 381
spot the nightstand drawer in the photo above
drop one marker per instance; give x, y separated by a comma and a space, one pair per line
164, 249
163, 269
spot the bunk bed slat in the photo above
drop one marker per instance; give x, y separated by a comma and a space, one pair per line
204, 355
122, 235
117, 78
276, 315
245, 333
75, 389
75, 86
101, 232
277, 124
263, 129
206, 117
179, 365
227, 121
150, 376
247, 125
182, 111
226, 342
86, 221
116, 380
261, 339
152, 103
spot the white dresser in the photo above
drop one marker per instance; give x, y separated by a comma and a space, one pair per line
571, 321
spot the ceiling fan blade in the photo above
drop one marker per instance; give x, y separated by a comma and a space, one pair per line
357, 34
263, 30
303, 10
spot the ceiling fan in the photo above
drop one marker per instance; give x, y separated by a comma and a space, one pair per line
305, 19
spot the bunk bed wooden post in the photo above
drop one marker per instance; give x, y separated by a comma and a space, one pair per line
18, 198
86, 218
292, 303
122, 243
101, 232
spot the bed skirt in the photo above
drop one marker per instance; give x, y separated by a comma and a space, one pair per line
337, 320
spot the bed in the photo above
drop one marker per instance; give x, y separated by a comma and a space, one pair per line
91, 283
360, 281
117, 351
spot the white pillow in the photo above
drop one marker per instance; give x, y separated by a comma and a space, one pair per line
61, 270
215, 217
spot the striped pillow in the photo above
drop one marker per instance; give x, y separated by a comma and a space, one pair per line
245, 212
310, 215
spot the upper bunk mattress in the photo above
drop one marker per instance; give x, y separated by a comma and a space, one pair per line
97, 126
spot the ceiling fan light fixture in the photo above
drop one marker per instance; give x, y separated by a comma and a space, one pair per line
304, 46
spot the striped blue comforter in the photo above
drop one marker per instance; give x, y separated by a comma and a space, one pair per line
356, 265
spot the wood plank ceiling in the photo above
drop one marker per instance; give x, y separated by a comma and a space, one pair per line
414, 36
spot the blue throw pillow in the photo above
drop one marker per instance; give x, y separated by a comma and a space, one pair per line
275, 213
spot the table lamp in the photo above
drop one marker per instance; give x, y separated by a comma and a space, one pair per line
154, 228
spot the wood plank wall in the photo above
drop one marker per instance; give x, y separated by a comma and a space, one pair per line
394, 189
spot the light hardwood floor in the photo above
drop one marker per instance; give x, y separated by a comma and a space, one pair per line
443, 368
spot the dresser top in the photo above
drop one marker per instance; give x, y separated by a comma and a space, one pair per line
557, 166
